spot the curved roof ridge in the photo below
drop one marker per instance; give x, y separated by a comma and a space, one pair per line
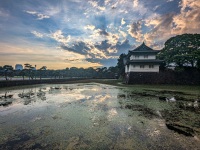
143, 47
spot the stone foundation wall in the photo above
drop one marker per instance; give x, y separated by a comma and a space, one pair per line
164, 77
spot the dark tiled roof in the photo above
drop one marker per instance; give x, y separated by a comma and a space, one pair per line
149, 61
143, 48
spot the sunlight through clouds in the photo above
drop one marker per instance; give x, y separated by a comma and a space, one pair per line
97, 31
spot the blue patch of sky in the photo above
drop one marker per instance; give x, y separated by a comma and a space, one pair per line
117, 21
100, 21
108, 62
146, 29
131, 39
169, 7
72, 32
46, 25
101, 3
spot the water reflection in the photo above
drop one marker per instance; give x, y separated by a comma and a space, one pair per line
6, 99
87, 116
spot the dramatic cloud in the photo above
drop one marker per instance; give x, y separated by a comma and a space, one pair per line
135, 30
161, 26
189, 18
103, 32
167, 25
90, 27
104, 35
95, 5
135, 3
90, 33
99, 51
58, 36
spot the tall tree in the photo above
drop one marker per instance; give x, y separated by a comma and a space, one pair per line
1, 71
29, 69
120, 65
8, 70
41, 70
22, 73
181, 50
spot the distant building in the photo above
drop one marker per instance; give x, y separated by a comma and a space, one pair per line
141, 60
18, 67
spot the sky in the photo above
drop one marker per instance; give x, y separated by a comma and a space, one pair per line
88, 33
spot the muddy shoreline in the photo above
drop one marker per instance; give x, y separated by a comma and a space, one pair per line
183, 118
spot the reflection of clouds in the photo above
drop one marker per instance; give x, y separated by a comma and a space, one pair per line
75, 97
112, 113
101, 98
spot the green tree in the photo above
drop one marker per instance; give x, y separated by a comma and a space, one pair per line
1, 71
120, 65
42, 70
182, 49
22, 73
29, 69
8, 70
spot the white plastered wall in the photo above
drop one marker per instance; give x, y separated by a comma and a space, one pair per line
137, 68
142, 57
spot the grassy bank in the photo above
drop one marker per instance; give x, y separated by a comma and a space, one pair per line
192, 89
184, 88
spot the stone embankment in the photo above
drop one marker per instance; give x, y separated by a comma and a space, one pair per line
10, 83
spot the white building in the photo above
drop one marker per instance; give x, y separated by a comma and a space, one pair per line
142, 59
18, 67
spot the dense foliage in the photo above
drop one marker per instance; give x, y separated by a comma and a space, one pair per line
7, 71
30, 73
120, 65
182, 50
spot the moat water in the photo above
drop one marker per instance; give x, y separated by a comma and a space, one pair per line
82, 116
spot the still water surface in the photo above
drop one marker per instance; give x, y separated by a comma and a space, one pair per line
81, 116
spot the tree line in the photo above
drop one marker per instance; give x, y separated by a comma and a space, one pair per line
29, 72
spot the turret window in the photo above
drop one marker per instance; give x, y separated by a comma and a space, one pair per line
141, 66
151, 66
145, 56
136, 56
